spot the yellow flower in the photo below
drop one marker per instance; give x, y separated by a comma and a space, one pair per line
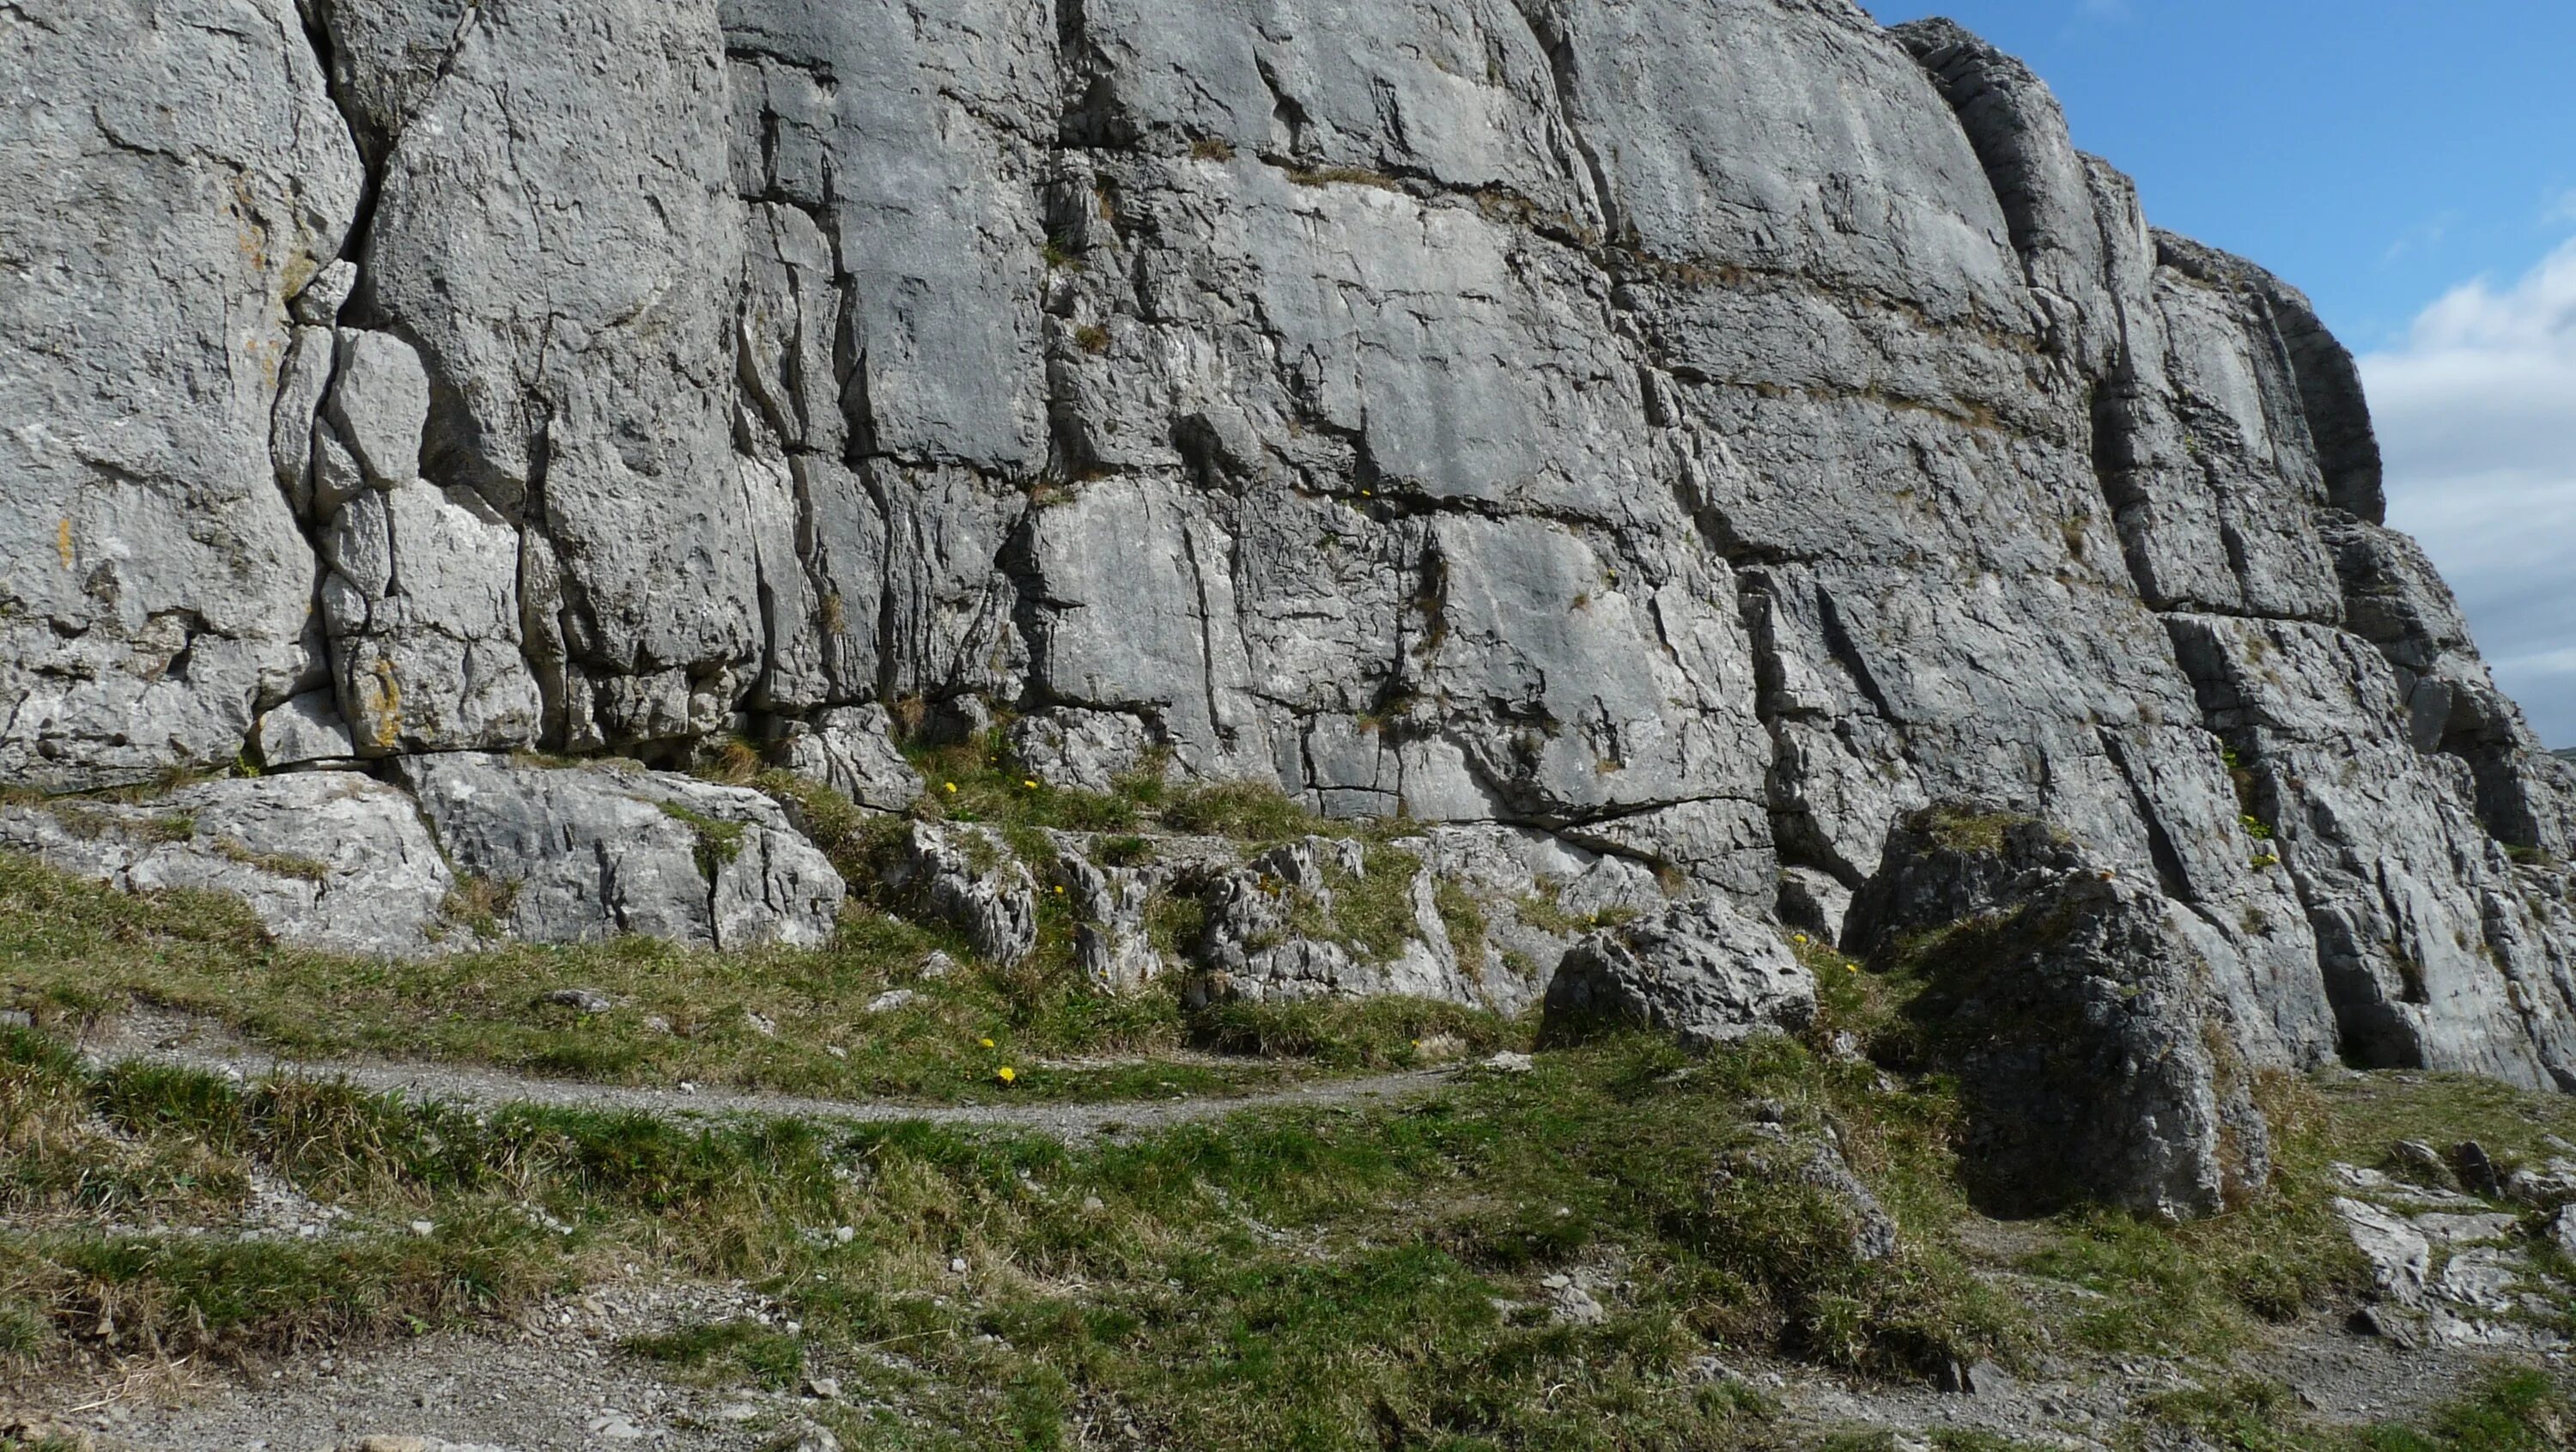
1851, 967
1798, 938
988, 1043
952, 786
1007, 1074
1059, 889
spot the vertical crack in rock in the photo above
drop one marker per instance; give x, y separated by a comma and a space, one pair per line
1556, 42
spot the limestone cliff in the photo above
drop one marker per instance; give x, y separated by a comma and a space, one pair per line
1696, 433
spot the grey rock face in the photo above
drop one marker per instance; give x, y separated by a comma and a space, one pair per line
305, 731
1701, 435
327, 859
1699, 970
177, 180
582, 853
2078, 1006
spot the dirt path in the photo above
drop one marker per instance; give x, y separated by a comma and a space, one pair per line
197, 1044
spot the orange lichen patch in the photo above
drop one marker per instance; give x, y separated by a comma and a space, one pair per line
380, 704
63, 543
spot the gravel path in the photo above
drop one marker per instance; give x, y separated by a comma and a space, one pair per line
196, 1044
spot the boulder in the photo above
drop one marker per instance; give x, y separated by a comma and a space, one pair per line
327, 859
852, 751
1090, 750
584, 853
1701, 971
2074, 1003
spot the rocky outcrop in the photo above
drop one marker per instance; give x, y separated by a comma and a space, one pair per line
2082, 1013
329, 859
582, 853
1698, 435
1700, 971
968, 878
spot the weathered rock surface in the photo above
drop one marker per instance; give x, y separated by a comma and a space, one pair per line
852, 751
578, 854
1697, 434
1700, 970
967, 877
2081, 1010
327, 859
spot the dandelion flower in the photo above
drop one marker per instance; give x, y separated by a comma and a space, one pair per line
988, 1043
1798, 938
1059, 889
1030, 783
952, 788
1007, 1074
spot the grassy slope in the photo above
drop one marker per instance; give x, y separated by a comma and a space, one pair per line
1346, 1278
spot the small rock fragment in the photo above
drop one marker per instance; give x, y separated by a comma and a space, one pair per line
2422, 1163
1572, 1305
892, 1000
1508, 1062
580, 1000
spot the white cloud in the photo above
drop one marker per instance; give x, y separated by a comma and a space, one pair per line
2477, 416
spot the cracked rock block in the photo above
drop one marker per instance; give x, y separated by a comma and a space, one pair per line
326, 859
2076, 1005
586, 853
1112, 890
1088, 750
966, 876
579, 322
852, 751
1814, 902
422, 606
2431, 954
379, 404
304, 732
175, 180
1700, 971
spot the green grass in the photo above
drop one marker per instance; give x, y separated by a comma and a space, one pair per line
769, 1358
1308, 1278
1328, 1277
2507, 1409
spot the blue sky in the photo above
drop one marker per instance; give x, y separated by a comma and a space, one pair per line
2412, 166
